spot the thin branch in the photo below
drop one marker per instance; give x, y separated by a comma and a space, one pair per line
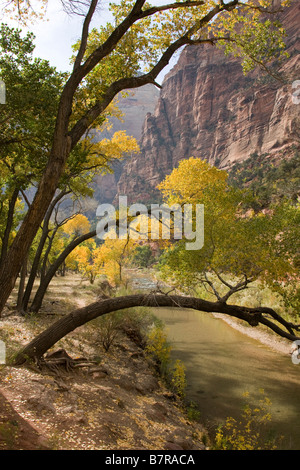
25, 198
171, 6
212, 287
85, 34
222, 280
238, 287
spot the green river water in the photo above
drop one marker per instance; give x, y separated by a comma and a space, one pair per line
223, 363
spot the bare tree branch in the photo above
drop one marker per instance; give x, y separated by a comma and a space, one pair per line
85, 34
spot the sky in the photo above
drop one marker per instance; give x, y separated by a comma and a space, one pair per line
56, 34
55, 37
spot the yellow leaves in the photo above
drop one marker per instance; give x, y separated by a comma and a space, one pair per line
238, 245
249, 432
157, 346
108, 259
79, 258
112, 256
24, 10
116, 147
190, 180
100, 154
78, 225
178, 378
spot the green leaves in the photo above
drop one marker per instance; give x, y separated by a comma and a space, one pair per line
27, 119
257, 39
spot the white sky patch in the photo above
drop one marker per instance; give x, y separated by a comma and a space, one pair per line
56, 35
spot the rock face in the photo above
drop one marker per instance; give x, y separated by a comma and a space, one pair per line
134, 108
209, 109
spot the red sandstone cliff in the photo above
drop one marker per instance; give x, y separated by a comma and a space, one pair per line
208, 109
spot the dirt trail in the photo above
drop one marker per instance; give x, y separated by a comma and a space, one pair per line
114, 401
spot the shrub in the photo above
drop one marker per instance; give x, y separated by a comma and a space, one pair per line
158, 348
250, 432
192, 412
108, 329
178, 379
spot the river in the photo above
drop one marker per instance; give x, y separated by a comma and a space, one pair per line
223, 363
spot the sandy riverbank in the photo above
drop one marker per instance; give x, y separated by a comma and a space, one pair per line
280, 345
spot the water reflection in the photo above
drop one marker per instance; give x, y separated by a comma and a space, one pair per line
222, 363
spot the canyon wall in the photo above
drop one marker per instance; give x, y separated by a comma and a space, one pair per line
209, 109
134, 108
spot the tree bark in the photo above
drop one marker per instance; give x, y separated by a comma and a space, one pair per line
38, 254
13, 261
45, 281
23, 274
48, 338
9, 224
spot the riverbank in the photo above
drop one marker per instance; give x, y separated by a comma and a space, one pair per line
112, 401
274, 342
116, 403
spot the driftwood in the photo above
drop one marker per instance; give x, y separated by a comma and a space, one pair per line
60, 360
253, 316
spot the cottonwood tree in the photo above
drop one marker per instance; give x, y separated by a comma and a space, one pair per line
112, 256
240, 247
33, 89
150, 35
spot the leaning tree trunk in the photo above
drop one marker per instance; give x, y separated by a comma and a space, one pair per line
9, 224
23, 274
39, 251
47, 278
13, 261
44, 341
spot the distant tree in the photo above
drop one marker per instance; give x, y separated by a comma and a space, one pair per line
112, 256
269, 179
142, 256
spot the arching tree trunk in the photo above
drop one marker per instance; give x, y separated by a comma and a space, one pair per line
44, 341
